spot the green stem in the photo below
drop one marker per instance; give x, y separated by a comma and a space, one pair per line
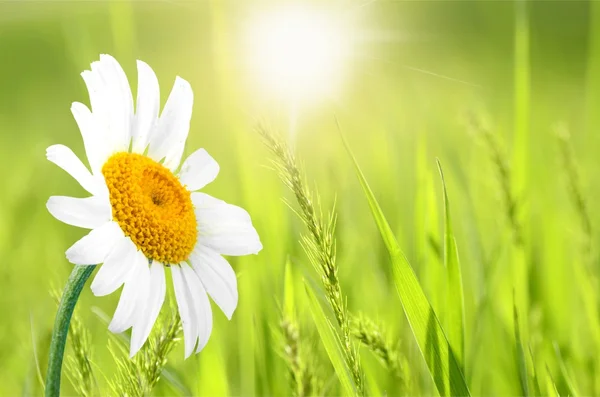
75, 284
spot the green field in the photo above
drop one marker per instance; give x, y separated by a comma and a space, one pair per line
505, 94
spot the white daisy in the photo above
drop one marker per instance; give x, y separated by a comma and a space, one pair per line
143, 214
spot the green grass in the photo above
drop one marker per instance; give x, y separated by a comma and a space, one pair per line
517, 315
444, 367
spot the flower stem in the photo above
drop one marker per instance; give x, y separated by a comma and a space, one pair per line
75, 284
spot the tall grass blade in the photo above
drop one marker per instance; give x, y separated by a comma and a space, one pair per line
35, 354
537, 391
433, 344
551, 389
520, 163
569, 382
331, 342
592, 81
522, 98
454, 292
521, 360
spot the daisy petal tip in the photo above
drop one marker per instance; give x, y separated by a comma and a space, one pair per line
78, 107
133, 350
183, 82
256, 248
188, 352
75, 257
50, 203
185, 87
137, 342
51, 150
118, 326
201, 346
71, 256
107, 58
142, 65
114, 328
94, 66
229, 314
96, 289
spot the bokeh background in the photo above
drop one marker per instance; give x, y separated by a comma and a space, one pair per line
418, 71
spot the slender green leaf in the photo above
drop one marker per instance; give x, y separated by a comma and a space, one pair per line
584, 278
522, 101
520, 164
569, 382
592, 81
454, 292
34, 343
537, 391
433, 344
521, 361
551, 389
330, 342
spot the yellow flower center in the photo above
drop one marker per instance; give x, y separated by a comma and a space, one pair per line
151, 206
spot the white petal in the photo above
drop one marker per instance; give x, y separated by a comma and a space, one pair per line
217, 277
121, 98
95, 146
125, 314
112, 103
186, 309
116, 268
213, 209
168, 140
148, 105
102, 109
96, 92
199, 299
152, 303
68, 161
223, 227
88, 213
198, 170
93, 248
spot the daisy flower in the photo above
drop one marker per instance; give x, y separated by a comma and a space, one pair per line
144, 212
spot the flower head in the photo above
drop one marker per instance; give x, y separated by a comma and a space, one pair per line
144, 211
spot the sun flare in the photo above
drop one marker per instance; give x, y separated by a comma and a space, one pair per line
298, 53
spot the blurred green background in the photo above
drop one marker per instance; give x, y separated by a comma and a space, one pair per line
418, 69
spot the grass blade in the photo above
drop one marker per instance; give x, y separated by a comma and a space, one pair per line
535, 376
522, 70
521, 361
569, 382
330, 342
454, 292
35, 355
433, 344
551, 391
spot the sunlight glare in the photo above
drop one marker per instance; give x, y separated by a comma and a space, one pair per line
298, 53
